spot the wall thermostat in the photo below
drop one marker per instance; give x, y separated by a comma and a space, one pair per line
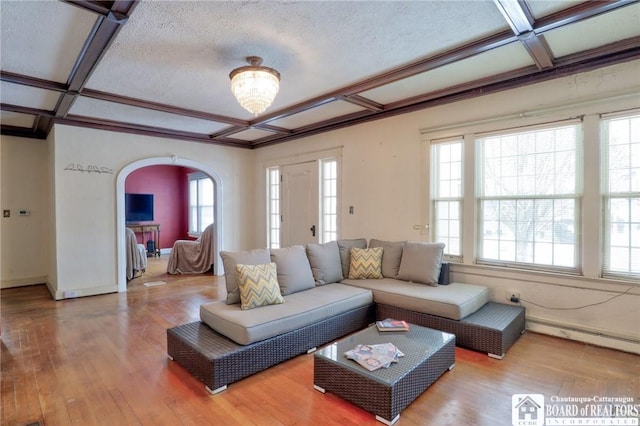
24, 212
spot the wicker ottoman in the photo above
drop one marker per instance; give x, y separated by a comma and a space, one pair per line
492, 329
387, 391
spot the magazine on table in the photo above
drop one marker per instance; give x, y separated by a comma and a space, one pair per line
390, 324
373, 357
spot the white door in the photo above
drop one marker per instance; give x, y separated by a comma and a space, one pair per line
299, 204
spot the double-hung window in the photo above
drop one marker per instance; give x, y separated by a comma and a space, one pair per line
528, 190
621, 195
200, 202
446, 194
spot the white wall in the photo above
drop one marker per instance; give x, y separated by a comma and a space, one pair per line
85, 202
385, 176
25, 239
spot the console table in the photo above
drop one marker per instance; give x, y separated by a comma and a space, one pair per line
151, 229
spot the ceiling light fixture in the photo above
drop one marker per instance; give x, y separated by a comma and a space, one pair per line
255, 86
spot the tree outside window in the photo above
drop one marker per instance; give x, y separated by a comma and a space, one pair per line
529, 194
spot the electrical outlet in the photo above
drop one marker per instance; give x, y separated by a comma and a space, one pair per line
512, 293
70, 294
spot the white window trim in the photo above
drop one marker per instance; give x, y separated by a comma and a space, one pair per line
592, 215
605, 196
432, 199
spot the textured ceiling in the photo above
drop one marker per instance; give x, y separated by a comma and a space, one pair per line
316, 46
162, 67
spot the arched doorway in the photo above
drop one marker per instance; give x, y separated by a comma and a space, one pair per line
120, 214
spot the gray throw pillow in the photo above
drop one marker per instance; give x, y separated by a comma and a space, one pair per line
325, 262
232, 258
294, 271
391, 256
345, 247
421, 263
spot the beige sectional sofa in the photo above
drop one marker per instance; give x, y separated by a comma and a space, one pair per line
301, 309
325, 293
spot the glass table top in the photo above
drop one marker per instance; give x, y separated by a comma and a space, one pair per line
417, 344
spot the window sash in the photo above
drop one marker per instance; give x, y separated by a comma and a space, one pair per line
531, 233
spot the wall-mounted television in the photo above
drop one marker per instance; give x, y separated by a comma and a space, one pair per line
138, 207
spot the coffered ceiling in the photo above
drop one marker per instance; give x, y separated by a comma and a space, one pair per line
161, 68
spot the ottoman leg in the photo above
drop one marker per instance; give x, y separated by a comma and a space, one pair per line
388, 422
215, 391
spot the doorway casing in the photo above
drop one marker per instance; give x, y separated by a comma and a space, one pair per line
120, 215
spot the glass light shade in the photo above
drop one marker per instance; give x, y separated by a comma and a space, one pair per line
255, 87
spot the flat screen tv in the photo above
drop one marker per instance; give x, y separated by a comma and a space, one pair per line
138, 207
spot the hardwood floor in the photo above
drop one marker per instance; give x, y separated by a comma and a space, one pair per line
102, 361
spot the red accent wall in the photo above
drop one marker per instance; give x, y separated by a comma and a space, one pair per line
169, 185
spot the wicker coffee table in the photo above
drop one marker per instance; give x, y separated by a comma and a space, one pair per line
387, 391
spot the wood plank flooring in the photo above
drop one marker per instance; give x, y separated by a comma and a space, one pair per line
102, 361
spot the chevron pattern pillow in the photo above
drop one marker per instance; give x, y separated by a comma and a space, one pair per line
258, 285
365, 263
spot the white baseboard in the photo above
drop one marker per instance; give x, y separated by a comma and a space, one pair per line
83, 292
22, 282
594, 337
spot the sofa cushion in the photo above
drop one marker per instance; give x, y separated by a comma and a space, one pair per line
294, 272
345, 247
421, 262
230, 259
325, 262
454, 301
258, 285
365, 263
301, 309
391, 255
